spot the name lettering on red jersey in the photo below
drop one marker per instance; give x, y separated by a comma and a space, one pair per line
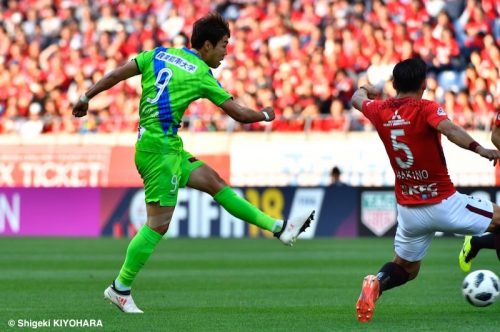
408, 128
418, 174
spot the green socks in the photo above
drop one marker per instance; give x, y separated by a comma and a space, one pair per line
145, 241
138, 252
243, 210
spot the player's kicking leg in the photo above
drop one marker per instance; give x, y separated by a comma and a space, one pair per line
202, 177
286, 230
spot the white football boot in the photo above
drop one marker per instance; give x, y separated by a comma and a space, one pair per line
123, 300
293, 227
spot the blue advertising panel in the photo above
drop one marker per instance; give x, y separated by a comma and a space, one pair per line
198, 215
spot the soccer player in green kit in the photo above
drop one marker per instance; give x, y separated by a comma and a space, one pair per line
171, 79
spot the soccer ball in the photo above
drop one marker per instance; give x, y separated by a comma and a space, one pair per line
481, 288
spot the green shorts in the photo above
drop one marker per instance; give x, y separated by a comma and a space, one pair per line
164, 174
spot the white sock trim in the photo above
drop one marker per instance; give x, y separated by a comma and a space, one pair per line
278, 225
121, 287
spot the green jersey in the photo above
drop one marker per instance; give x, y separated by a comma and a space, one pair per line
171, 79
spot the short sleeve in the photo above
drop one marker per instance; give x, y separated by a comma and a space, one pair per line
434, 114
143, 59
369, 108
212, 90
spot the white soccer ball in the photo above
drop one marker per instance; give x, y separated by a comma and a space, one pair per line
481, 288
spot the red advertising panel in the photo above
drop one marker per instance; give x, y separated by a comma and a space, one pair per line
54, 166
78, 166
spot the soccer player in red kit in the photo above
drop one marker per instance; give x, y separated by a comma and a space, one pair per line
410, 128
472, 244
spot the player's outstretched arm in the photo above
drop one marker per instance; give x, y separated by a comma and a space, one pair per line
108, 81
246, 115
365, 92
460, 137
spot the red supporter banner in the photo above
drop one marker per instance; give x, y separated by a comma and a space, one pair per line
79, 166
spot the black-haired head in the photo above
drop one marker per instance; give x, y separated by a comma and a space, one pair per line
409, 75
212, 27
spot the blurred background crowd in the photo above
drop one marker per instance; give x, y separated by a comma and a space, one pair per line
305, 58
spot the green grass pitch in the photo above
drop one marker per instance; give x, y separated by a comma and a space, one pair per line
237, 285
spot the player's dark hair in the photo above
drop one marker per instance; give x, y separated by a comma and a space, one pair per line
212, 27
408, 75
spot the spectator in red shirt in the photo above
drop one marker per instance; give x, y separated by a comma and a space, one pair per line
338, 120
447, 52
425, 44
343, 87
339, 34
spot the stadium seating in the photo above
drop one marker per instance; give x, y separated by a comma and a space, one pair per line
304, 57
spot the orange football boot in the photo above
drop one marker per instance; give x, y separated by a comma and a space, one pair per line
366, 301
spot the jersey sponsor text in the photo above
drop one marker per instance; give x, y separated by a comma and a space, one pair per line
177, 61
424, 191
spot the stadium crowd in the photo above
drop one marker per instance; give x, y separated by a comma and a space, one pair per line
303, 57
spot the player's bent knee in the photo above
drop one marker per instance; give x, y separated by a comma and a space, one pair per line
413, 274
494, 227
411, 267
207, 180
412, 270
159, 217
162, 229
159, 223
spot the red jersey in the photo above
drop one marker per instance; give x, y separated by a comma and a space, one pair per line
407, 127
497, 119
